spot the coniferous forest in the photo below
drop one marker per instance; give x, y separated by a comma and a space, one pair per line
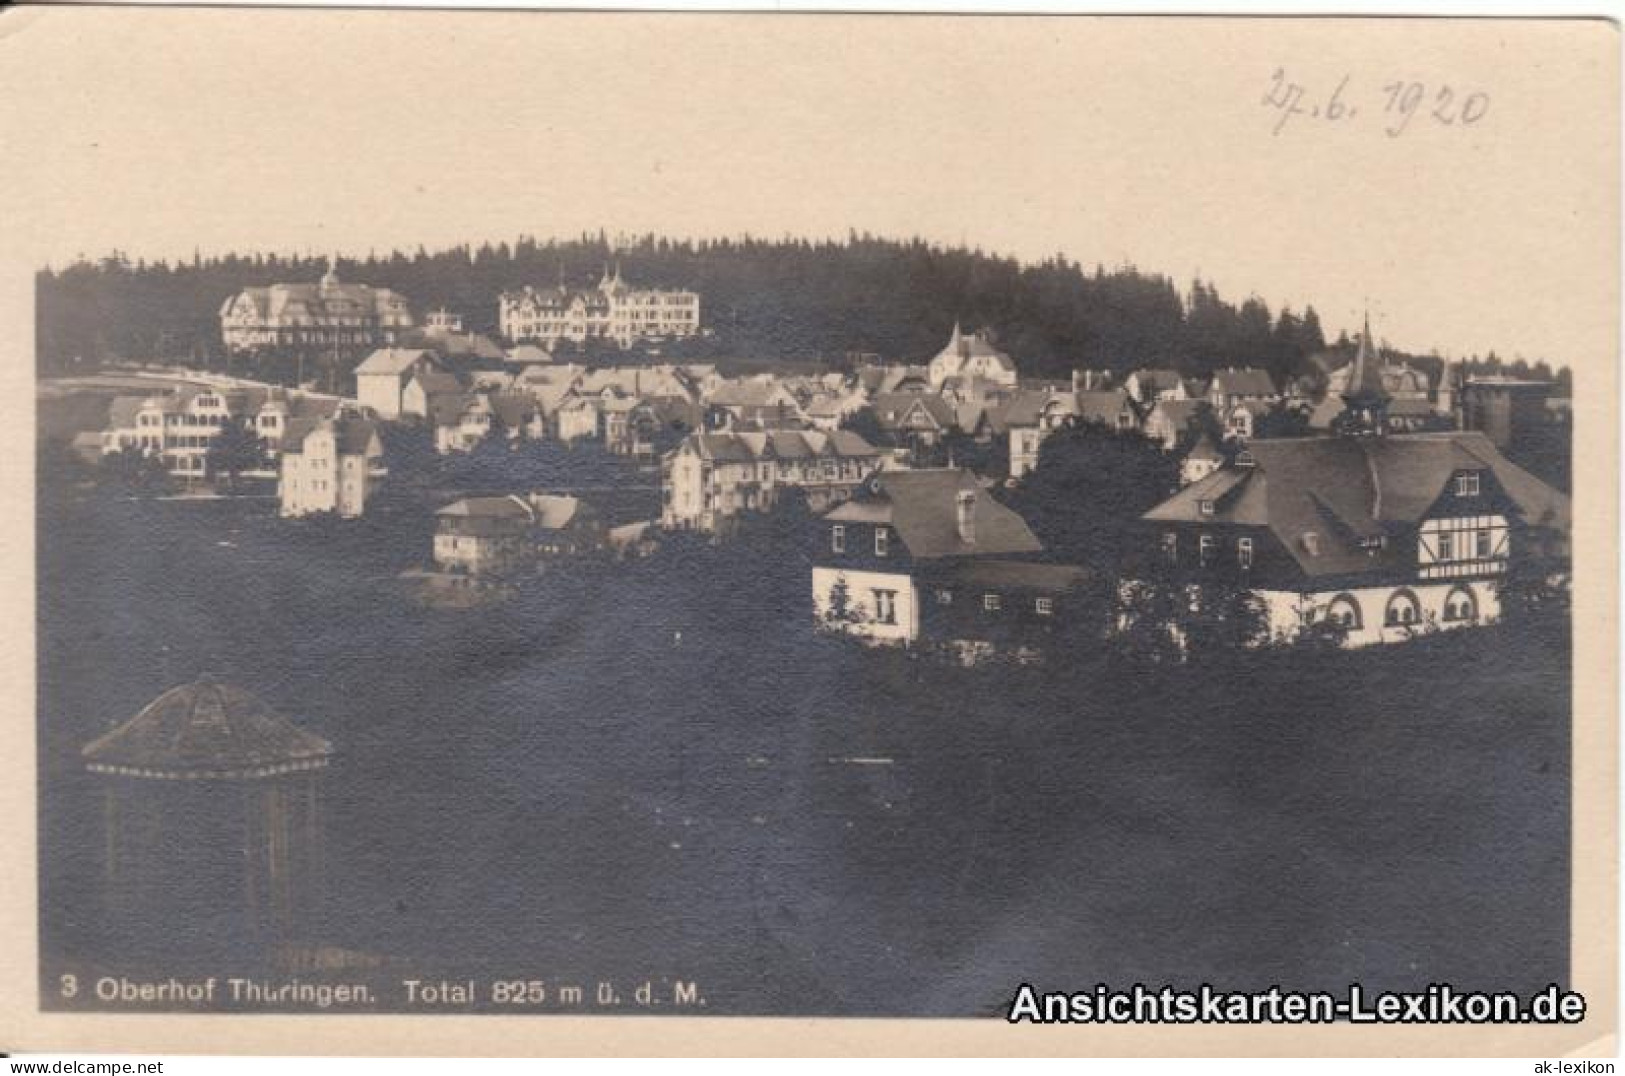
764, 300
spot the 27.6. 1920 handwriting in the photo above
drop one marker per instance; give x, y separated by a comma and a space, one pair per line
1398, 103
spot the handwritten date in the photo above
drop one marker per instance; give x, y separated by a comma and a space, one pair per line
1399, 103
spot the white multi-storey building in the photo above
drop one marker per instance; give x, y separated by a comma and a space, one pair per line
330, 465
712, 477
327, 315
1383, 535
182, 427
612, 311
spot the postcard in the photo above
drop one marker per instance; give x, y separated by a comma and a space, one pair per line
631, 532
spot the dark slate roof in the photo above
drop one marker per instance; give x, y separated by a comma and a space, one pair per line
1021, 409
514, 409
1247, 381
352, 433
1159, 378
206, 729
1103, 405
923, 508
779, 444
434, 382
1344, 488
1018, 574
487, 507
446, 408
122, 411
892, 409
1177, 412
1204, 450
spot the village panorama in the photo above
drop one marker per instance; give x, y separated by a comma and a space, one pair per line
782, 628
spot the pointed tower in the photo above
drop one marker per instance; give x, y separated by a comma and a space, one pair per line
1365, 401
330, 279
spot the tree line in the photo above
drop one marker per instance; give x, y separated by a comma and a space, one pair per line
787, 299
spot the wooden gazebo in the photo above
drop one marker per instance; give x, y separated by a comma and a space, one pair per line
211, 810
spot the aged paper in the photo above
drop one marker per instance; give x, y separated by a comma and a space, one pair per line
757, 521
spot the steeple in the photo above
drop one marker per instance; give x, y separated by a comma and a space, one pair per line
1365, 400
330, 278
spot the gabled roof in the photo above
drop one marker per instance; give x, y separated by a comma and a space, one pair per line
122, 411
1205, 450
447, 408
393, 360
1342, 489
555, 512
1021, 409
435, 382
352, 434
778, 444
922, 506
892, 409
513, 409
1103, 405
1176, 412
1246, 381
1157, 378
1017, 575
509, 507
529, 355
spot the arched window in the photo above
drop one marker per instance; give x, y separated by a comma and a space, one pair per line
1344, 611
1460, 605
1403, 610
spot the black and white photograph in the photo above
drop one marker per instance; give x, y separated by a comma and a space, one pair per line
992, 520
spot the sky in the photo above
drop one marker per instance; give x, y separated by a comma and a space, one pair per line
1117, 141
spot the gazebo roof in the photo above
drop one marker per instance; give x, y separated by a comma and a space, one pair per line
205, 730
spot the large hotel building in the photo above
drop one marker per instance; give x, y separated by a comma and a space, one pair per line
611, 311
329, 314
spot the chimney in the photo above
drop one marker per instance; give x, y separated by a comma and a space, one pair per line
1079, 382
965, 515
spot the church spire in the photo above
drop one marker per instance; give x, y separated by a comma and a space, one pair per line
1365, 400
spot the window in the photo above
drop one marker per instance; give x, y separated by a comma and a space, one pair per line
1447, 546
885, 606
1205, 507
1403, 610
837, 539
945, 596
1244, 552
882, 541
1170, 547
1044, 606
1481, 545
1467, 485
1311, 543
1460, 605
990, 602
1344, 611
1205, 548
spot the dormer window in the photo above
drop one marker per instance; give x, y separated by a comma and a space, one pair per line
882, 541
1244, 459
1467, 484
837, 539
1205, 507
1311, 543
